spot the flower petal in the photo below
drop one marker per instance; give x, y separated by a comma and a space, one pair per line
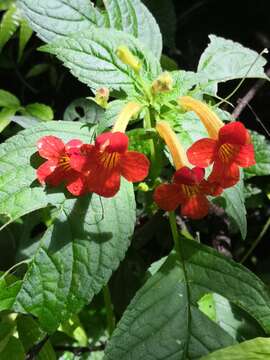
245, 156
188, 176
73, 146
134, 166
50, 147
103, 181
195, 207
226, 175
112, 142
202, 152
234, 133
45, 170
168, 196
77, 184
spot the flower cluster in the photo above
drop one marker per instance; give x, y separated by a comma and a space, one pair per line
90, 168
227, 149
98, 168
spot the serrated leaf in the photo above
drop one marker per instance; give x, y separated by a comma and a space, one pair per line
58, 18
91, 57
262, 155
256, 349
77, 256
133, 17
40, 111
225, 60
235, 206
163, 320
17, 197
84, 110
8, 100
24, 36
8, 25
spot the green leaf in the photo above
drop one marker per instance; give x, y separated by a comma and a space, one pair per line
24, 36
133, 17
8, 292
61, 18
163, 320
262, 155
225, 60
5, 117
8, 100
9, 25
256, 349
231, 318
91, 57
5, 4
77, 256
84, 110
17, 196
30, 334
40, 111
235, 206
13, 350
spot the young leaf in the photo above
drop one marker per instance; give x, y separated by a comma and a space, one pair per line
24, 36
37, 70
61, 18
77, 256
9, 25
163, 320
91, 57
5, 117
256, 349
40, 111
225, 60
8, 100
262, 154
18, 198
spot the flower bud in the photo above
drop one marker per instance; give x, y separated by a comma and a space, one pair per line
125, 55
143, 187
102, 97
128, 111
163, 83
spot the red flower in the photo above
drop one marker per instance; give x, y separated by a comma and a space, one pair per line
108, 160
58, 167
188, 189
232, 149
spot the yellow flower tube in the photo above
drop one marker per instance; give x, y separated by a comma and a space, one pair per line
129, 110
126, 56
177, 151
207, 116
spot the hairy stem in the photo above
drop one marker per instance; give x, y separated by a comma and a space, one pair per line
109, 309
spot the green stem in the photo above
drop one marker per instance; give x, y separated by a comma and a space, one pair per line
148, 125
175, 234
109, 309
256, 242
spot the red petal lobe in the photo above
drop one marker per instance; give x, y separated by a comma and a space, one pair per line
245, 156
134, 166
202, 152
50, 147
234, 133
168, 196
195, 207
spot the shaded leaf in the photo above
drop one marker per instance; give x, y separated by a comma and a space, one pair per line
24, 36
40, 111
8, 25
